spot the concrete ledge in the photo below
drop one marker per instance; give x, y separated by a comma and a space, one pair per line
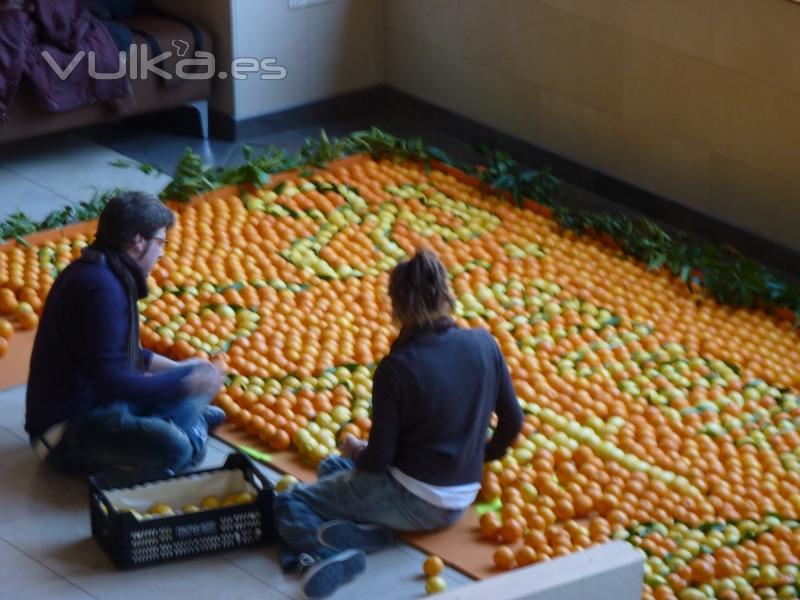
613, 571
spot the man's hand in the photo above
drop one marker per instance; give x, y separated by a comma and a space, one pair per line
160, 363
352, 446
204, 378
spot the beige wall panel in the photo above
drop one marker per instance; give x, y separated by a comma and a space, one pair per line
685, 25
549, 47
645, 90
760, 38
433, 21
755, 200
668, 92
418, 68
345, 47
757, 124
657, 163
610, 12
467, 88
486, 32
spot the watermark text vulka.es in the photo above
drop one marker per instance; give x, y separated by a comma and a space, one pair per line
138, 64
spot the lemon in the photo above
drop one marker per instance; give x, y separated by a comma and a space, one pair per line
161, 509
210, 502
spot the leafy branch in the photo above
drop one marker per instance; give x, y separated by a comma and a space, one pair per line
19, 224
502, 172
319, 152
381, 144
192, 177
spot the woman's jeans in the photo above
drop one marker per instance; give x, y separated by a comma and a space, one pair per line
150, 441
341, 492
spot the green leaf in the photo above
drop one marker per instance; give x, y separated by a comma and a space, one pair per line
257, 454
148, 169
484, 507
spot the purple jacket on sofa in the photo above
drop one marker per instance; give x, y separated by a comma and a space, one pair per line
63, 28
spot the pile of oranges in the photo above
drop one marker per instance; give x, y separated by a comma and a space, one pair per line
652, 413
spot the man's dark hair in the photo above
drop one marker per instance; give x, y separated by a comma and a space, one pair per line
130, 214
124, 217
420, 290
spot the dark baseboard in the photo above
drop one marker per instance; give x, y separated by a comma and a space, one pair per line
670, 213
345, 106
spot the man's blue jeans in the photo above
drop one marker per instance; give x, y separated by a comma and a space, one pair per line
151, 441
341, 492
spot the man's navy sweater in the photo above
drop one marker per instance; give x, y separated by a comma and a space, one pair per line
432, 398
79, 357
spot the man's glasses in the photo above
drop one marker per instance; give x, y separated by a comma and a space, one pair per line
161, 241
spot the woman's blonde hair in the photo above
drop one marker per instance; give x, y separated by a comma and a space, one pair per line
420, 290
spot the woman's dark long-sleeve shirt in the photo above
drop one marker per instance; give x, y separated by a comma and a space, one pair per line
432, 399
80, 356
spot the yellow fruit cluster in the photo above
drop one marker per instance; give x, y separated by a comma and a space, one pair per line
162, 509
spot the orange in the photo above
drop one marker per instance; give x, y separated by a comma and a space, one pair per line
504, 558
525, 556
28, 320
432, 566
511, 530
6, 328
490, 524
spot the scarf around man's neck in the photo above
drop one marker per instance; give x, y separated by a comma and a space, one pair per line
407, 334
133, 281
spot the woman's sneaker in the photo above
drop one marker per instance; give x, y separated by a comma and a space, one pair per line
346, 535
322, 579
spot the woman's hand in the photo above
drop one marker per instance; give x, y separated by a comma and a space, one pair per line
352, 446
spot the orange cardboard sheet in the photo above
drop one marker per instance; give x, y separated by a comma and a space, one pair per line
460, 546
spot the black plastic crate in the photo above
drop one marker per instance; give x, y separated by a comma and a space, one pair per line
131, 542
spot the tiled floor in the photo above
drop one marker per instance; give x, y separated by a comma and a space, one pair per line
46, 548
47, 552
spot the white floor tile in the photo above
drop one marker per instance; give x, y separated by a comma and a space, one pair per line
454, 578
75, 168
262, 563
20, 193
12, 415
22, 578
208, 578
11, 443
61, 540
29, 487
214, 458
219, 445
391, 574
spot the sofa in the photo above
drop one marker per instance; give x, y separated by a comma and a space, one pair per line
157, 31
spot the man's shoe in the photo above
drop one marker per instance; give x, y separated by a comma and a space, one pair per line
214, 416
325, 577
346, 535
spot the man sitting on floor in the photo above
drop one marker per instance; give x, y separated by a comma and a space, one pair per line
97, 401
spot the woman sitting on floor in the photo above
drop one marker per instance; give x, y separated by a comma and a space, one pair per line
433, 396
